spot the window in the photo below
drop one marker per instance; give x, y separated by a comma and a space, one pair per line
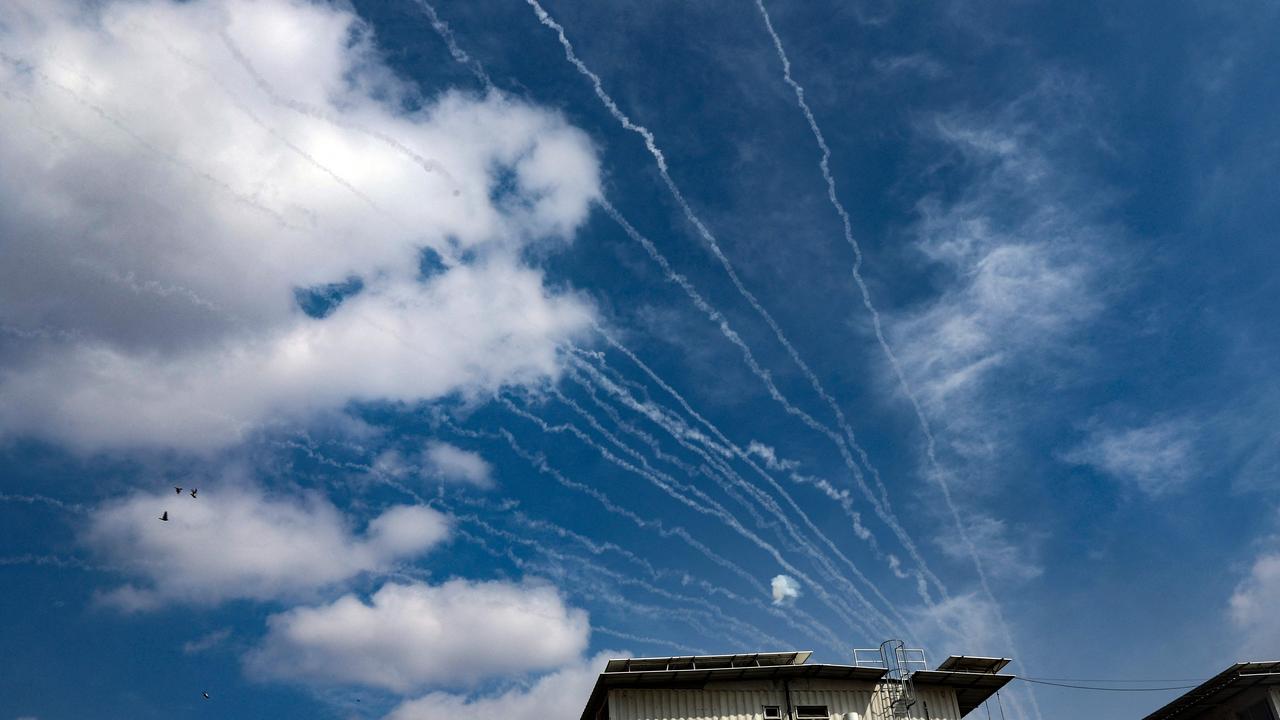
812, 712
772, 712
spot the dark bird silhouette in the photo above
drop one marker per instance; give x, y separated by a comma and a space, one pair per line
177, 489
165, 516
193, 492
206, 695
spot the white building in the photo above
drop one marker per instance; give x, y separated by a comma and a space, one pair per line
1244, 691
783, 686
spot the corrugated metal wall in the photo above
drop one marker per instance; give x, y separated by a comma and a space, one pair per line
931, 704
748, 704
690, 704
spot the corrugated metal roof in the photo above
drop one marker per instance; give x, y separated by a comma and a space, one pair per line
1222, 688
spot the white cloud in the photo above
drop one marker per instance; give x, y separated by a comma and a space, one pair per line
161, 207
438, 461
1021, 255
413, 636
450, 462
1157, 459
561, 694
1001, 557
206, 642
962, 625
236, 542
1252, 607
785, 589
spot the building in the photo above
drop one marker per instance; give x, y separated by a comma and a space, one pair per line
1244, 691
785, 686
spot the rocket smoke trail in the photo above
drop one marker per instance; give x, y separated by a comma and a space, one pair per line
938, 472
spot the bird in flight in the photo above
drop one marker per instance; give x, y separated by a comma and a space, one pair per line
193, 492
206, 695
177, 489
165, 516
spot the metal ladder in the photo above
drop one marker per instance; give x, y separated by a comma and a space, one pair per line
898, 693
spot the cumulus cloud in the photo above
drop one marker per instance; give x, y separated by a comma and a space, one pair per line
560, 694
786, 590
450, 462
237, 542
407, 637
1157, 458
269, 157
1253, 607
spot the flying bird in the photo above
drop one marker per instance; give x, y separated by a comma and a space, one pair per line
177, 489
193, 492
165, 516
206, 695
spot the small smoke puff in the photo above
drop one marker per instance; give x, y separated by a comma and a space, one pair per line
785, 590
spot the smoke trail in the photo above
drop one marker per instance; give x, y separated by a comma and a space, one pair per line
883, 512
793, 617
692, 617
821, 561
713, 508
938, 473
50, 561
591, 420
457, 53
707, 237
37, 499
644, 463
658, 526
678, 430
541, 465
447, 36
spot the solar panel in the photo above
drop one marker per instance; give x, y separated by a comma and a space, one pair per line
973, 664
707, 662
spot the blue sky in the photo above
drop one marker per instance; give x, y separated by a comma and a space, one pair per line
486, 371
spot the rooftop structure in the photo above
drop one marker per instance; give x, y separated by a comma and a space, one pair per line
1244, 691
784, 686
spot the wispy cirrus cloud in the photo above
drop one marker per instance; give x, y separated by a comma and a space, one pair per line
1157, 458
1022, 261
1003, 557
